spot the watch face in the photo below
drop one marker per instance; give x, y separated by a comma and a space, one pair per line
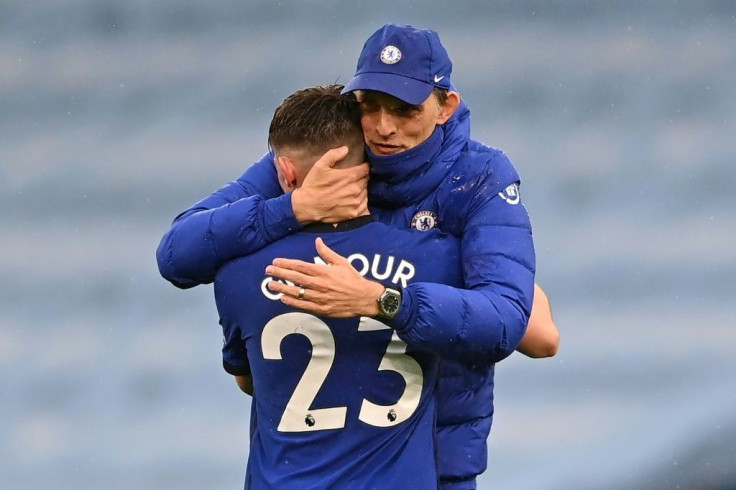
390, 303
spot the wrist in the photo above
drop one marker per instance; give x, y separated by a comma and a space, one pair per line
300, 208
373, 294
389, 304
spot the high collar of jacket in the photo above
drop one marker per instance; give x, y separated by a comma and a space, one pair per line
410, 176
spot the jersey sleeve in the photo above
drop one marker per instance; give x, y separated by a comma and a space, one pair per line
484, 322
234, 353
238, 219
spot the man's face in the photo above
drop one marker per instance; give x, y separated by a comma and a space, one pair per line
391, 126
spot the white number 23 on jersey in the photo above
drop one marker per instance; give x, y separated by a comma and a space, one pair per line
298, 417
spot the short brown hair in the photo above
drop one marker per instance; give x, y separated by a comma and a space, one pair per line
441, 93
316, 118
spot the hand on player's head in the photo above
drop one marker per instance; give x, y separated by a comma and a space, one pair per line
332, 157
330, 194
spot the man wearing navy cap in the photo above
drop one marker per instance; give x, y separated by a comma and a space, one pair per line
426, 173
404, 62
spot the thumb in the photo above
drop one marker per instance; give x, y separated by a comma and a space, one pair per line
328, 255
332, 157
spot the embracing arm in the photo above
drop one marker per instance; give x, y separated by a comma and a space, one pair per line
481, 325
484, 323
542, 338
236, 220
252, 212
491, 312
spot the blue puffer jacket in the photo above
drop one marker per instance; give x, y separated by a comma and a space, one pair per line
449, 181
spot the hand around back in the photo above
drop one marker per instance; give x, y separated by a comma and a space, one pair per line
335, 289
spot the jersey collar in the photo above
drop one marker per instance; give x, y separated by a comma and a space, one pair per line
348, 225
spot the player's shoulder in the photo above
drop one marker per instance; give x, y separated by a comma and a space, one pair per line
488, 163
292, 246
479, 174
234, 273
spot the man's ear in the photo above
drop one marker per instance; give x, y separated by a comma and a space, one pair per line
448, 108
287, 170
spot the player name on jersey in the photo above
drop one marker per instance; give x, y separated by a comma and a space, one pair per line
378, 268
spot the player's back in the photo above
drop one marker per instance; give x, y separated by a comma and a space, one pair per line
339, 403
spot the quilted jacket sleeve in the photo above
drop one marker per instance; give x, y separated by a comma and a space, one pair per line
484, 322
240, 218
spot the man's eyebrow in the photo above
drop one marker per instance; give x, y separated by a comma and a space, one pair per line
405, 106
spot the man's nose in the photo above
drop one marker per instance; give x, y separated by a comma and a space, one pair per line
385, 124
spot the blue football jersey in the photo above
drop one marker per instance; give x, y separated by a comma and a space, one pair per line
339, 403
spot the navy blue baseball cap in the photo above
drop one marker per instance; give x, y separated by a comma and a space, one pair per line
402, 61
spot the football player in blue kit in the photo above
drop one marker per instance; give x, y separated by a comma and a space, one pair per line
339, 402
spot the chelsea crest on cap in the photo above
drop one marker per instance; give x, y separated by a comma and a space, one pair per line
390, 55
404, 62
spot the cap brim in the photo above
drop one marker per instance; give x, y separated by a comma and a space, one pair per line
407, 89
